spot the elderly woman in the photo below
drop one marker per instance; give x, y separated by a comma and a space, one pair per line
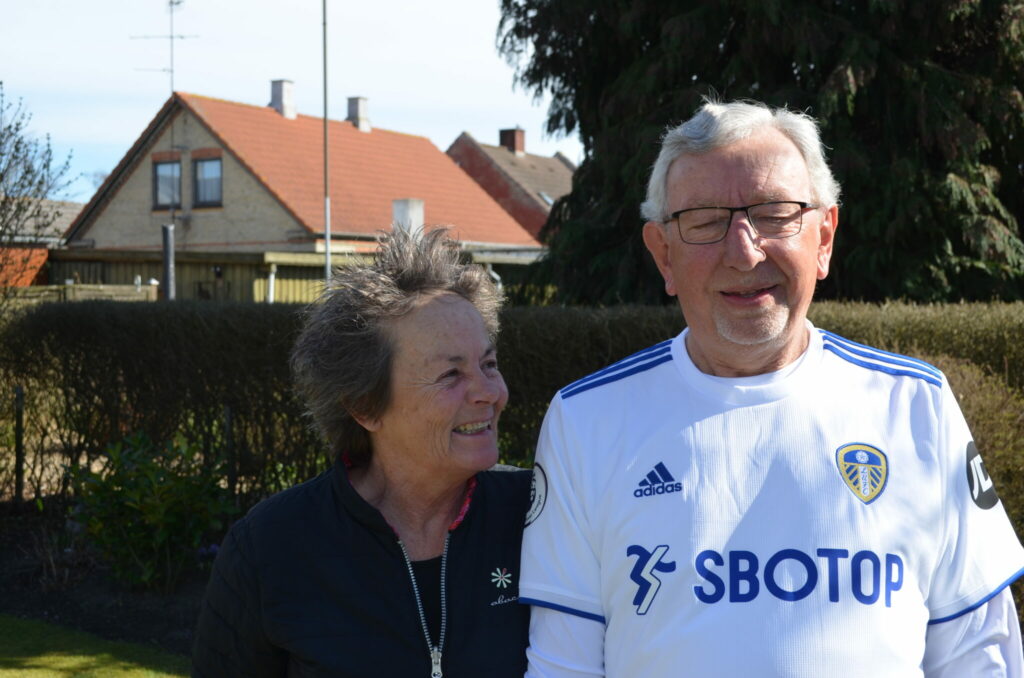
403, 558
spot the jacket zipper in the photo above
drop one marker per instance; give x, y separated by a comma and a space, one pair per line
435, 650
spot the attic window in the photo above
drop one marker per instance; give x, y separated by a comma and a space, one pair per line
206, 182
546, 198
166, 185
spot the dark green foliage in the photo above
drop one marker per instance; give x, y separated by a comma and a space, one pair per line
149, 507
97, 371
920, 102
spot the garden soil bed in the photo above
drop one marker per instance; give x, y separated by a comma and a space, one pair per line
78, 593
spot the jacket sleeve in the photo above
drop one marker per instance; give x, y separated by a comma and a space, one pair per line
230, 639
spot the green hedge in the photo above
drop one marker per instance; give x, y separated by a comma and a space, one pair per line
95, 372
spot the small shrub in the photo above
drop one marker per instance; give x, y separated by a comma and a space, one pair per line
149, 508
60, 556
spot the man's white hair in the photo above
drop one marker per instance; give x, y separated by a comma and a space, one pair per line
716, 124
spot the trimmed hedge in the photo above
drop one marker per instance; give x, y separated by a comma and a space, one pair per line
97, 371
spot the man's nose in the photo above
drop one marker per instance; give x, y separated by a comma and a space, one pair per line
743, 249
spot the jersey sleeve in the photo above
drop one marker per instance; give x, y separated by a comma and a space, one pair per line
979, 554
564, 646
560, 568
982, 642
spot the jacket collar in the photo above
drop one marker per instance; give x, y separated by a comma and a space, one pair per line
364, 513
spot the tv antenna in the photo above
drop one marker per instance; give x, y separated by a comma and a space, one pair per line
170, 38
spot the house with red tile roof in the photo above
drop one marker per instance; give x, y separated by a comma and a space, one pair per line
243, 186
24, 251
524, 184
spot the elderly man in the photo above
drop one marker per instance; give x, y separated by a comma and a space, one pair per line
759, 497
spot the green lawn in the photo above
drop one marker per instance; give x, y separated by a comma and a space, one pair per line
34, 649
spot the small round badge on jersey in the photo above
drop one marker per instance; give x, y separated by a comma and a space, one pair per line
864, 468
538, 493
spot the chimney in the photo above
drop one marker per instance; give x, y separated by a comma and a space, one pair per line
281, 99
514, 140
407, 214
358, 113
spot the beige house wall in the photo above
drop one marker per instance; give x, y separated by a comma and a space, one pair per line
231, 277
249, 220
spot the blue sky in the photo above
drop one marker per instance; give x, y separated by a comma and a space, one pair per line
428, 68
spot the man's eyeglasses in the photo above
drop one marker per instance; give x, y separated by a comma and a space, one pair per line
707, 225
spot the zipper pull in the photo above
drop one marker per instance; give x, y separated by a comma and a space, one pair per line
435, 662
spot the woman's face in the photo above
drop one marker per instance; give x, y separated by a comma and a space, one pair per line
446, 391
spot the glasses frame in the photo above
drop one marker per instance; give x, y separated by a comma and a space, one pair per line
745, 209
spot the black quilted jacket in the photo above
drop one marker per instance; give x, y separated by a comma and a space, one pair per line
312, 583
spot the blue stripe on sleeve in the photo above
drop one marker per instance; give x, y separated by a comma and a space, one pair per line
872, 352
981, 602
925, 376
625, 362
569, 392
562, 608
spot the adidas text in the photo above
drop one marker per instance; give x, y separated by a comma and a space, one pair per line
661, 488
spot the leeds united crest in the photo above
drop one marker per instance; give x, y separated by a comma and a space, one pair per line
864, 469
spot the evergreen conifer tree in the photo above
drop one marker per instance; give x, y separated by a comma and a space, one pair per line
920, 103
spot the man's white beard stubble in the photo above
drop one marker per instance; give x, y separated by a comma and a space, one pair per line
764, 327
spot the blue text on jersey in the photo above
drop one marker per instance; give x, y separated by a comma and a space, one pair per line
864, 573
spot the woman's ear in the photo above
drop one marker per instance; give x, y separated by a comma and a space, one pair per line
371, 424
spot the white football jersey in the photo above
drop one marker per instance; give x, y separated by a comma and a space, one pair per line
804, 523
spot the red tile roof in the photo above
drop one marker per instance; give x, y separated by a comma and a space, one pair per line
367, 171
22, 266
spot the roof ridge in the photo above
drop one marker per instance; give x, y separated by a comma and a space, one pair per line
499, 147
297, 114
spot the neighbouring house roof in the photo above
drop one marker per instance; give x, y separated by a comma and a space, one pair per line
24, 250
22, 266
367, 171
541, 175
39, 232
540, 180
65, 212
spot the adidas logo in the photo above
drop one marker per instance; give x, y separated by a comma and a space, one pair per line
658, 481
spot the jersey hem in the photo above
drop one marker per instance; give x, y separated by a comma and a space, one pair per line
981, 602
562, 608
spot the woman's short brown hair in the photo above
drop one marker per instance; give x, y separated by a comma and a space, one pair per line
341, 362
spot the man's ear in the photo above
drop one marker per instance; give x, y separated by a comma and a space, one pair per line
826, 237
657, 244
